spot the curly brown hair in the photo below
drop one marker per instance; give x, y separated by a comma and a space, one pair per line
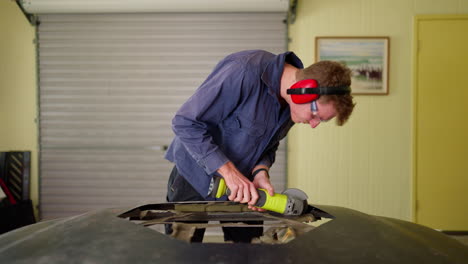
331, 74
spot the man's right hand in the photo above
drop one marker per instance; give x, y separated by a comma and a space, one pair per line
242, 189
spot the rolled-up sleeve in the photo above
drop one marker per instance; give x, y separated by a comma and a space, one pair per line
214, 100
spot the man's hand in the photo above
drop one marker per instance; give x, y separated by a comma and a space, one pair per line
262, 180
242, 189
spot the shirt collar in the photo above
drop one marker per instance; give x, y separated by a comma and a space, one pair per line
274, 70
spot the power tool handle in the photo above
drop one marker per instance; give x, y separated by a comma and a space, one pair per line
262, 197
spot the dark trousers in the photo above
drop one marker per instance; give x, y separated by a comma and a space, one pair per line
179, 189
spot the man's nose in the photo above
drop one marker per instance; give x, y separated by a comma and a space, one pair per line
314, 123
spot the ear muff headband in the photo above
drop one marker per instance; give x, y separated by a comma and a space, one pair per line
307, 90
320, 90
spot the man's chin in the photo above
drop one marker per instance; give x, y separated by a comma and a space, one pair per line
298, 121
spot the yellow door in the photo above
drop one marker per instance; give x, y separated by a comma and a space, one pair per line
441, 122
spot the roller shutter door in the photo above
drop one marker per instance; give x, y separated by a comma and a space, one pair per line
109, 87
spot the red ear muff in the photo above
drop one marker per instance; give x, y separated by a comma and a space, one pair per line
307, 90
302, 98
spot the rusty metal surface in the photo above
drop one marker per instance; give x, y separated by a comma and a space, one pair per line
351, 237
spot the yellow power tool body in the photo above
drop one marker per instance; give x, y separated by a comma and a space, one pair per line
290, 202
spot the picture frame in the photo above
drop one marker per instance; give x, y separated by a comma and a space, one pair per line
367, 57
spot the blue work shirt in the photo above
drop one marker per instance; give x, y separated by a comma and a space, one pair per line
235, 115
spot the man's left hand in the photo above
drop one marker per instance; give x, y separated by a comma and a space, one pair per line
262, 181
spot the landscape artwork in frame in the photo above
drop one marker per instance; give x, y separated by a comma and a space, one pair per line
367, 57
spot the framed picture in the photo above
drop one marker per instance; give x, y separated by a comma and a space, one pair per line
367, 57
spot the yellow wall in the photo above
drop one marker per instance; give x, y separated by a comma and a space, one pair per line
18, 89
367, 164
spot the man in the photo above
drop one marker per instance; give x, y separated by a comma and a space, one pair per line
231, 126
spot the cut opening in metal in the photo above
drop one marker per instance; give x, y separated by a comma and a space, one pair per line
188, 217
